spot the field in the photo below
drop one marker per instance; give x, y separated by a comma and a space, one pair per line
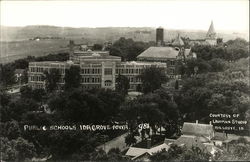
11, 51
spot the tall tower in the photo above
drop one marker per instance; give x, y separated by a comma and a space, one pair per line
159, 36
178, 42
71, 49
211, 35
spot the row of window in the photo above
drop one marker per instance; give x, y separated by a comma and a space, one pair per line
129, 71
133, 79
91, 80
85, 87
108, 83
38, 86
41, 70
36, 69
36, 78
91, 71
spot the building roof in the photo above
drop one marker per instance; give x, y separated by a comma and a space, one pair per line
159, 52
197, 129
136, 152
143, 63
19, 71
178, 41
189, 141
219, 136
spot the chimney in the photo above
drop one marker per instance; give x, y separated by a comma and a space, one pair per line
196, 121
149, 143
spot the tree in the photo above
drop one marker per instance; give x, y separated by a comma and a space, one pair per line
217, 65
10, 129
72, 77
97, 47
152, 78
128, 49
7, 74
179, 153
51, 79
16, 150
130, 139
122, 84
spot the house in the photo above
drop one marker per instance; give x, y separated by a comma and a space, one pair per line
143, 154
197, 135
205, 130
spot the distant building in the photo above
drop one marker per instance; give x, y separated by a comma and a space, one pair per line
143, 154
98, 70
170, 54
205, 130
210, 39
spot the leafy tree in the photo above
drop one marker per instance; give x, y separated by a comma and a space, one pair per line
177, 153
217, 65
10, 129
152, 78
7, 74
97, 47
51, 79
16, 150
236, 49
115, 154
26, 92
21, 106
5, 98
122, 84
130, 139
128, 49
72, 77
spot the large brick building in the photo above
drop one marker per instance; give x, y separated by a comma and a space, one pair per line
98, 69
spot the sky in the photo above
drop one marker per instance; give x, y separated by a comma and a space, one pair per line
227, 15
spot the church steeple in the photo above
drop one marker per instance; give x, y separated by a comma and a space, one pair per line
178, 42
211, 34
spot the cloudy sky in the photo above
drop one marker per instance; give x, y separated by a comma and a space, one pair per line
188, 14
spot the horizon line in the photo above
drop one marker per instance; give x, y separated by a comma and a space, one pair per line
153, 27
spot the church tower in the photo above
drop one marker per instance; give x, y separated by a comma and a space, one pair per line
211, 35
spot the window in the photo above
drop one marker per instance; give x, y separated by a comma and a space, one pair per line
107, 82
172, 63
108, 71
172, 71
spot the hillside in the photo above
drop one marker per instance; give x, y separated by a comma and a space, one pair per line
16, 42
103, 33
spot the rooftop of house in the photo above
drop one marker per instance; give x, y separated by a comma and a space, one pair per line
136, 152
197, 129
159, 52
19, 71
189, 141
